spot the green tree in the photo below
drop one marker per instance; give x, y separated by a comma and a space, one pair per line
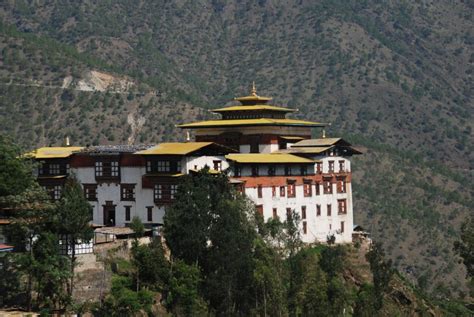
268, 280
209, 226
312, 295
382, 273
183, 298
15, 170
152, 268
74, 214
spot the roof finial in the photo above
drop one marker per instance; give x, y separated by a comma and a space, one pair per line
324, 133
254, 89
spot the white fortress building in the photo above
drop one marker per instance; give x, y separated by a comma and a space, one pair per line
271, 158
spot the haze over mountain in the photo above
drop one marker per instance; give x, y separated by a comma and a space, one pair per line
393, 77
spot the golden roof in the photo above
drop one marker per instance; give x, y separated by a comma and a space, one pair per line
253, 108
269, 158
305, 150
317, 142
174, 148
251, 122
253, 97
53, 152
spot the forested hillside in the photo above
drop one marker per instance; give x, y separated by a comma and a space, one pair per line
394, 77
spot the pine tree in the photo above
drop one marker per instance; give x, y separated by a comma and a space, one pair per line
74, 214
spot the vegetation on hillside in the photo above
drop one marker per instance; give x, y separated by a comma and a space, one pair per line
394, 76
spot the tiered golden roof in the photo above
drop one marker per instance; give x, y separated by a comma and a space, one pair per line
253, 111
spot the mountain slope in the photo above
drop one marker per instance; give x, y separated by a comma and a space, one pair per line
394, 77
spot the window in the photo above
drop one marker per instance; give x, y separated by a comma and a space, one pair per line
127, 213
329, 210
327, 186
107, 169
291, 190
54, 169
288, 213
275, 214
288, 170
259, 191
317, 189
303, 212
342, 166
237, 171
260, 210
274, 191
319, 168
217, 165
304, 170
149, 213
341, 206
164, 192
307, 189
254, 170
305, 228
331, 166
342, 226
341, 185
271, 170
127, 192
90, 192
318, 210
163, 166
282, 191
148, 166
54, 191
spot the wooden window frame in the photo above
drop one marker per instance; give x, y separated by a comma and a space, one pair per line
318, 210
127, 192
305, 227
282, 191
291, 190
259, 209
342, 226
255, 170
303, 170
259, 191
87, 191
341, 185
164, 192
317, 189
217, 164
107, 169
271, 170
128, 212
275, 213
288, 213
327, 186
329, 210
307, 189
319, 168
274, 192
237, 171
342, 166
303, 212
149, 213
342, 206
330, 166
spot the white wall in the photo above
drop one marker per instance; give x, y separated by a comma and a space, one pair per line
318, 227
111, 192
198, 162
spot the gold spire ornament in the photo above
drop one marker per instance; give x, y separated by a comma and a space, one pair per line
254, 89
